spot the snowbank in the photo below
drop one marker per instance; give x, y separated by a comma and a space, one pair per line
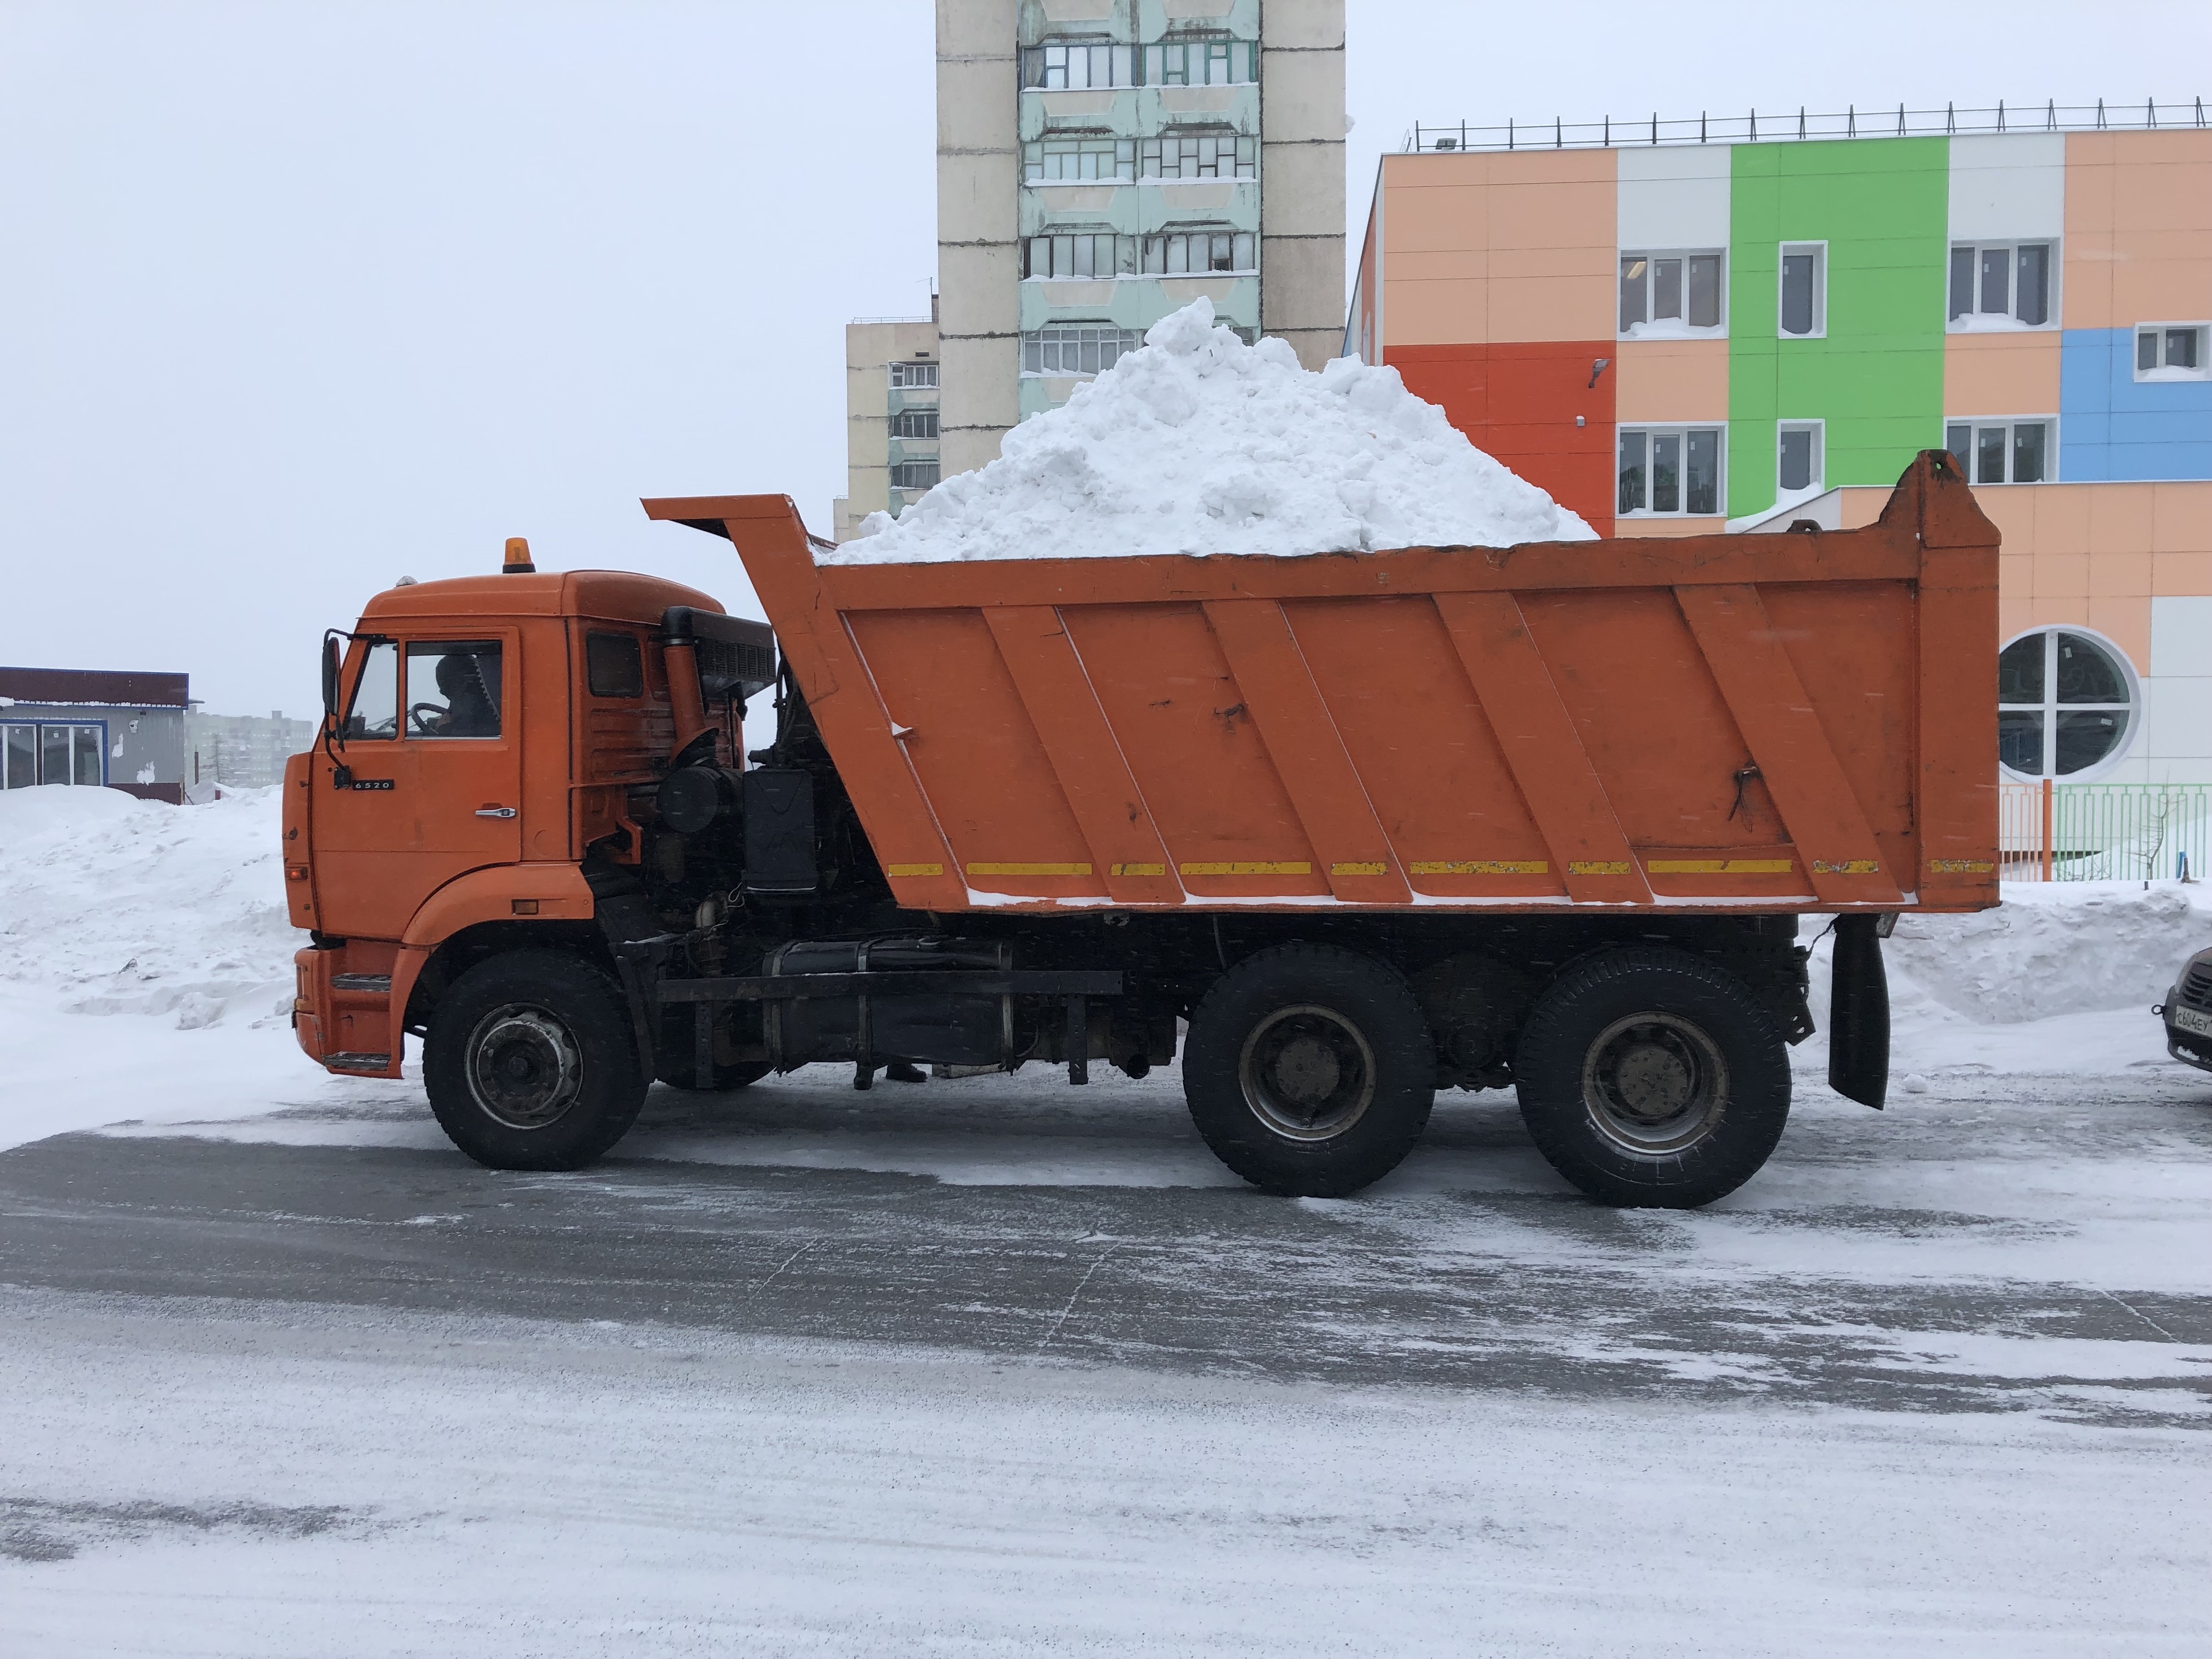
145, 961
1198, 443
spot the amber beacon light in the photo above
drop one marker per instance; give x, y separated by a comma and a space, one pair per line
518, 557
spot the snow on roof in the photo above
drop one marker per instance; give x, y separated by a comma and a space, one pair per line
1197, 443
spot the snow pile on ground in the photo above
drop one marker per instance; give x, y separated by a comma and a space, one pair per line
2056, 948
137, 907
1199, 444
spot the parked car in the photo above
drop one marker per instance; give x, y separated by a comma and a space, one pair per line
2188, 1012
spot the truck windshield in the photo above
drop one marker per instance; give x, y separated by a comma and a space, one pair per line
375, 711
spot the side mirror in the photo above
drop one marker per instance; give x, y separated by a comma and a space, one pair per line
330, 676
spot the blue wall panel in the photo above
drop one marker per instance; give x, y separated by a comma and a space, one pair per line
2113, 426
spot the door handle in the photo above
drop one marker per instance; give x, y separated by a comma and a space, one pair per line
494, 811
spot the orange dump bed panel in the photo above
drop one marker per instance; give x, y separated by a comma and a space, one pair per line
1798, 721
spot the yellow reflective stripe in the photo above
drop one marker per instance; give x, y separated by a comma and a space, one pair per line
1850, 867
913, 869
1240, 867
1480, 867
1029, 869
1136, 870
1598, 867
1718, 866
1960, 866
1359, 869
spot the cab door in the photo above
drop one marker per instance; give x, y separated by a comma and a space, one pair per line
427, 784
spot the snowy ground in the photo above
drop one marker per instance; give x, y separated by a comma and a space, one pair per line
1000, 1367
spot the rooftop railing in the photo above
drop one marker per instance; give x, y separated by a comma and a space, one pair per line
1780, 126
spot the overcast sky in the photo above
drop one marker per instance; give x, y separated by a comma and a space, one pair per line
296, 298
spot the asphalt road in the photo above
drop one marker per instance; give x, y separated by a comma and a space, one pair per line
1989, 1213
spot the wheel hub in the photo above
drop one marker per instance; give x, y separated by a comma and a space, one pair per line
524, 1069
1308, 1072
1655, 1083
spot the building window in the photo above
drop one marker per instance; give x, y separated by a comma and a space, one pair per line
914, 475
914, 424
1670, 470
2000, 284
1077, 66
1804, 312
2001, 452
913, 377
1198, 253
2171, 352
1202, 64
1799, 463
1076, 348
1078, 160
1669, 293
2066, 703
1064, 257
1201, 155
46, 752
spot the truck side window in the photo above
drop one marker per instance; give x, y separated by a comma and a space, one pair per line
615, 665
453, 689
375, 710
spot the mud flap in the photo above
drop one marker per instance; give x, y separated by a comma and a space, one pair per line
1858, 1014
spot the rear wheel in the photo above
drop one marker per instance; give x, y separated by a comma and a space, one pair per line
1309, 1070
530, 1063
1650, 1078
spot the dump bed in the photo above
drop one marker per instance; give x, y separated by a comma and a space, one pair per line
1800, 722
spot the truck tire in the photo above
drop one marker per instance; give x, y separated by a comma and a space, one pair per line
1652, 1079
1309, 1070
676, 1063
531, 1064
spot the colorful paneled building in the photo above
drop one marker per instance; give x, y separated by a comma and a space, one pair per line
1681, 339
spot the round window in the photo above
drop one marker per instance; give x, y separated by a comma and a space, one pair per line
2066, 703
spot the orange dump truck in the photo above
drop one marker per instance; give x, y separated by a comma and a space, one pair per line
1351, 827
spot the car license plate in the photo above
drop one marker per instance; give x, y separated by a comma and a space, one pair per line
2188, 1019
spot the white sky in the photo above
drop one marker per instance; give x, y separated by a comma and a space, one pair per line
296, 298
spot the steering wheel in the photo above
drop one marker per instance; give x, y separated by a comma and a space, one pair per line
423, 715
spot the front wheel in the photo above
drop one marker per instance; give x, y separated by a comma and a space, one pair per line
1309, 1070
1652, 1078
531, 1062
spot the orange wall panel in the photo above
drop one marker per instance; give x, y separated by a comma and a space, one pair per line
1485, 247
2001, 374
1671, 380
2138, 227
1518, 401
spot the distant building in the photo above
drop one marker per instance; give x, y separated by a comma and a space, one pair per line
239, 751
890, 417
1101, 163
125, 731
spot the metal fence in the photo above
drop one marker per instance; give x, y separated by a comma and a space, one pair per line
1779, 126
2103, 831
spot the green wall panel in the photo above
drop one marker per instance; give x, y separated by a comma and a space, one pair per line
1881, 205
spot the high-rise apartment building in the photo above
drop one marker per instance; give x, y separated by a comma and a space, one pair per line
1100, 163
890, 417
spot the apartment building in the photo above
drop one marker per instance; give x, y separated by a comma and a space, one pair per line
1679, 333
1100, 163
239, 751
890, 417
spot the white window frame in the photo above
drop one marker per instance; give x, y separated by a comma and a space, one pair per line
1819, 431
2051, 708
1062, 337
2162, 376
929, 462
1056, 247
1161, 248
1975, 425
1039, 155
83, 735
1819, 252
914, 412
1049, 66
1975, 320
1244, 161
1682, 430
911, 377
1669, 328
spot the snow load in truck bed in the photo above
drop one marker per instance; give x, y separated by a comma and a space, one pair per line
1199, 444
